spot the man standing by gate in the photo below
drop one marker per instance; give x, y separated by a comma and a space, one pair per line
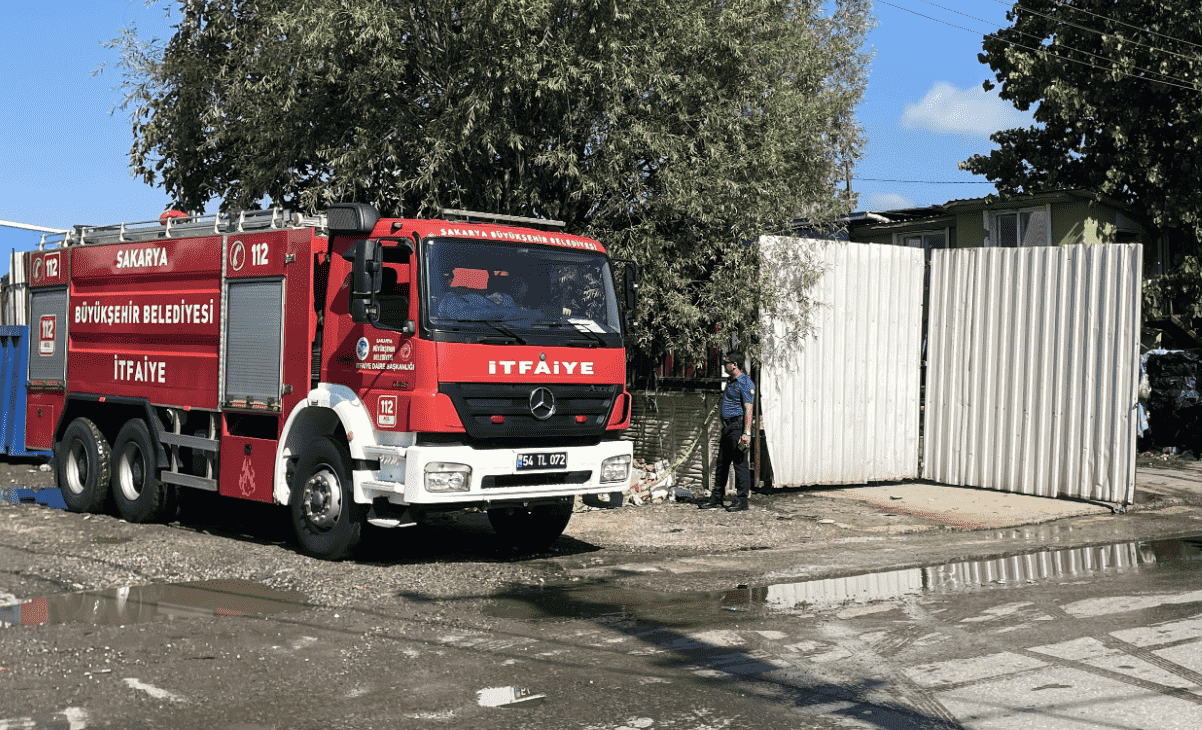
738, 398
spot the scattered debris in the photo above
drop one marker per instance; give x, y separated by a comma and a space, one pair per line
508, 697
155, 692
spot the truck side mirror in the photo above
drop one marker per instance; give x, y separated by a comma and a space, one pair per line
368, 267
366, 305
367, 274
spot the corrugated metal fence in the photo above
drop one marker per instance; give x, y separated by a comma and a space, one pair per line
1033, 370
663, 425
842, 406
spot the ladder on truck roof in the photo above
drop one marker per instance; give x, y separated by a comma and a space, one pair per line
189, 225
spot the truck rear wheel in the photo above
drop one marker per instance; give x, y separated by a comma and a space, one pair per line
139, 494
531, 528
82, 462
327, 522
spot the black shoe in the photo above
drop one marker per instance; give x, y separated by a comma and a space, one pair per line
711, 504
739, 505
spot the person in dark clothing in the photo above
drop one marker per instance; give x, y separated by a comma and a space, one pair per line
738, 398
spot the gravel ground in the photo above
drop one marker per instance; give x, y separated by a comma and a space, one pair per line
215, 537
220, 538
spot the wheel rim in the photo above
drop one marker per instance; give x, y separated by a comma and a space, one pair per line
322, 499
131, 472
77, 468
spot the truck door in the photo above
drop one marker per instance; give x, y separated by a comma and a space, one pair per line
47, 371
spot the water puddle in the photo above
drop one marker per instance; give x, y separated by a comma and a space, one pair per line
140, 604
607, 601
49, 497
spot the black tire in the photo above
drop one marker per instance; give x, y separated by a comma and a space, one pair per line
137, 491
327, 522
531, 528
82, 466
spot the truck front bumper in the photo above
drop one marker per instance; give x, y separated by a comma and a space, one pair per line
464, 475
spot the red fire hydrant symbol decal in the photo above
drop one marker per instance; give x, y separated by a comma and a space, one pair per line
246, 481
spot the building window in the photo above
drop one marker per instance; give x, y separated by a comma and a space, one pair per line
926, 240
1021, 228
1126, 230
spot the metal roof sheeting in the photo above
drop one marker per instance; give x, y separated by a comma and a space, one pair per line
1033, 370
841, 406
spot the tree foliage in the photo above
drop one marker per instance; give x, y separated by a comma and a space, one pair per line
674, 131
1116, 88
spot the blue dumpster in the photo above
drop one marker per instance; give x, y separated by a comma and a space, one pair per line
14, 360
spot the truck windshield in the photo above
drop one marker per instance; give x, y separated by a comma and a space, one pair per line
511, 289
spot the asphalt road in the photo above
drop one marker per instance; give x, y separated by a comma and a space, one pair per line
812, 612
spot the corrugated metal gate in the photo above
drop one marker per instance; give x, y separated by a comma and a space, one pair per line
1031, 381
1033, 370
842, 406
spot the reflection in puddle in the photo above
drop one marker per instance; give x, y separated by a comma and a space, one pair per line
1038, 567
49, 497
682, 609
138, 604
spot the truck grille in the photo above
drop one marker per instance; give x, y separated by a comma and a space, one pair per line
580, 410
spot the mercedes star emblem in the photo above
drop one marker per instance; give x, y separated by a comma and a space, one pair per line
542, 403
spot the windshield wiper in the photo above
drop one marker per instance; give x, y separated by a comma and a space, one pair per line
594, 338
505, 331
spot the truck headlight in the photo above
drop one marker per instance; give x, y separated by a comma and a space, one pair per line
615, 469
444, 476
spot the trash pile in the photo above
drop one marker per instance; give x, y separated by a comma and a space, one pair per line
1174, 403
653, 482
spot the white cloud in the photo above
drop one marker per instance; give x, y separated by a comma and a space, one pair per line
886, 201
973, 111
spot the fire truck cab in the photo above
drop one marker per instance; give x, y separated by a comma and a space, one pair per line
355, 368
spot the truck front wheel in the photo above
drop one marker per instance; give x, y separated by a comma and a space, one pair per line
139, 494
82, 462
531, 528
327, 522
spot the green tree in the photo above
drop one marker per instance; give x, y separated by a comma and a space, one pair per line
1115, 85
674, 131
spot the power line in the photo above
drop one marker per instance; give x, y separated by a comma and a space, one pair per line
924, 182
1103, 17
1056, 55
1087, 29
1039, 39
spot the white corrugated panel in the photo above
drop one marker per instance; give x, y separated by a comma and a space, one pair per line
1033, 368
841, 406
17, 292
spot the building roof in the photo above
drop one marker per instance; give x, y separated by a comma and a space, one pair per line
907, 215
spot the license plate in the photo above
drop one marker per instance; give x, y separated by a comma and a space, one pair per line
554, 460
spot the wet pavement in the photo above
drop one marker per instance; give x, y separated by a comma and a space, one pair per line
878, 619
157, 602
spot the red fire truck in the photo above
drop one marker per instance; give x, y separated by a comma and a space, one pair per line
351, 367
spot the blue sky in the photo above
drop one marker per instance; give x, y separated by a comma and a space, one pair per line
65, 150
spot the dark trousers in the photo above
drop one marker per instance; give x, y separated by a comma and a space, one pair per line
730, 453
